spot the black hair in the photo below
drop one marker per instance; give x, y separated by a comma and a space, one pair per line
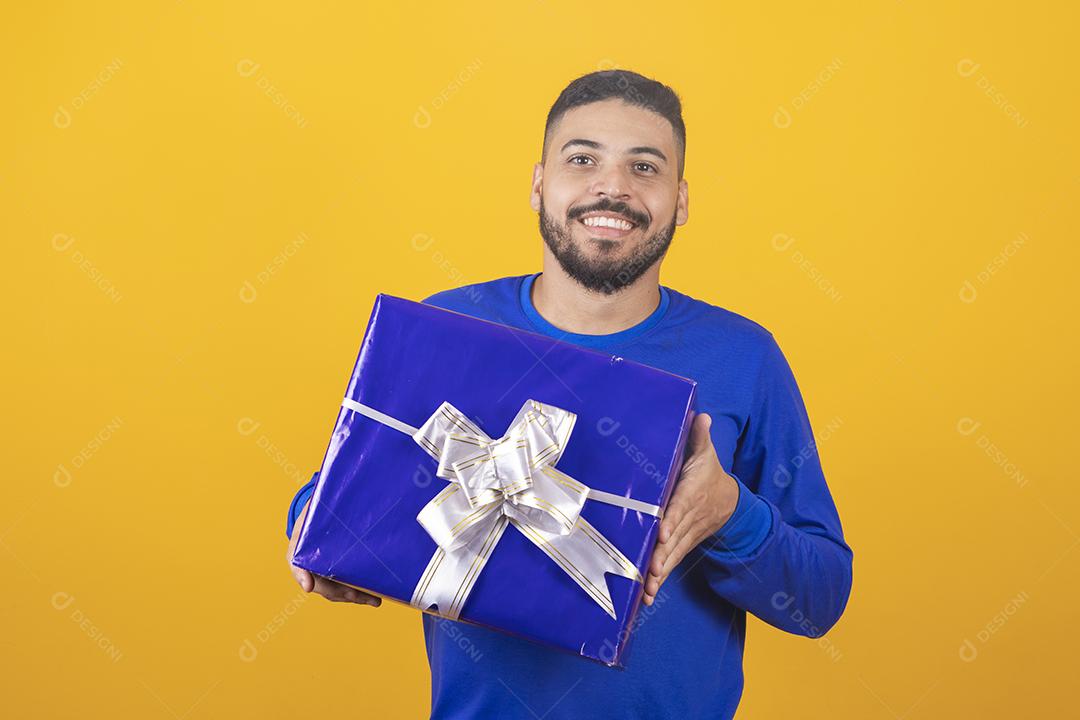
631, 88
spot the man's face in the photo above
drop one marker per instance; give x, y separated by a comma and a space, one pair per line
609, 164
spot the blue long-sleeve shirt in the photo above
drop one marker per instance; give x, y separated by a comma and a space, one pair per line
781, 555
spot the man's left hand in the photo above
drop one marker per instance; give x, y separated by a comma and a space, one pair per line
703, 500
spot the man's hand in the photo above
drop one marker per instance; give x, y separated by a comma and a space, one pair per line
326, 587
704, 499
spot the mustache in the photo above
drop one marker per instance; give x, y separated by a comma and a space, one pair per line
616, 208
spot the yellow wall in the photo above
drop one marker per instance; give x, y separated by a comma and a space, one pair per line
199, 205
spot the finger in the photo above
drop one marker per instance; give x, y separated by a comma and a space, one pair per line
332, 591
665, 557
304, 577
650, 588
660, 553
700, 440
656, 565
665, 549
672, 517
291, 550
656, 569
652, 585
368, 599
677, 536
339, 592
688, 540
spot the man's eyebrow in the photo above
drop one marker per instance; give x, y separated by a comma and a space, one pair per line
639, 150
581, 141
648, 150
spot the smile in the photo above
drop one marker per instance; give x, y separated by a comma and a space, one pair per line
607, 226
607, 221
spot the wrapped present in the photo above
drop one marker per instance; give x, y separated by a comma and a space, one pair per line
496, 476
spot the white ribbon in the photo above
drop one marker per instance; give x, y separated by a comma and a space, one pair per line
508, 481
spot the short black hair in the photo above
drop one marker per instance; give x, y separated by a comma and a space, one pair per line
631, 88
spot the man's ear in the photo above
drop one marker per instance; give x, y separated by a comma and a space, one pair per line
537, 186
682, 210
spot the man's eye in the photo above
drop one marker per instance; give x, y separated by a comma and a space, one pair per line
647, 167
579, 157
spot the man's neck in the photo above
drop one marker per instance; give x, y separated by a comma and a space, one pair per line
569, 306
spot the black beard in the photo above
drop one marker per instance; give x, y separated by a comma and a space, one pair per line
603, 276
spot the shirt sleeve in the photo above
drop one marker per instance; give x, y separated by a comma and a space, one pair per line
298, 502
782, 554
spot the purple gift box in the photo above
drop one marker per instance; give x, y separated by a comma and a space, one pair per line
496, 476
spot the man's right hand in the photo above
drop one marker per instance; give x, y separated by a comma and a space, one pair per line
329, 589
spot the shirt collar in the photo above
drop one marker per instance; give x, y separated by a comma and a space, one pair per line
585, 340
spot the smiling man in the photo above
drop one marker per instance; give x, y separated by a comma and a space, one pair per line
751, 525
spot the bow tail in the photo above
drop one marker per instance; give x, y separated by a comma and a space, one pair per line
450, 575
585, 555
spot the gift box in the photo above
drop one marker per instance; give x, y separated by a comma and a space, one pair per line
496, 476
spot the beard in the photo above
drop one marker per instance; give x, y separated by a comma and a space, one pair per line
607, 273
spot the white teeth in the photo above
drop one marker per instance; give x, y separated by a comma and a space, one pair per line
602, 221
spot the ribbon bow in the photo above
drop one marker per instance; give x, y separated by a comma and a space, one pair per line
512, 476
510, 480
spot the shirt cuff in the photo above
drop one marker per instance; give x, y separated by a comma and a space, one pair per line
301, 498
748, 526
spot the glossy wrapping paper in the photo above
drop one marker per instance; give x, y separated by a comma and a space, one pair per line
629, 438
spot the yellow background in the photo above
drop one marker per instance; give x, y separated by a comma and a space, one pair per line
190, 253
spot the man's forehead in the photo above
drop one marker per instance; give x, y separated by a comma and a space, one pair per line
614, 125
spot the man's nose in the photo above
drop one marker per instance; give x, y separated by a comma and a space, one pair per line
613, 182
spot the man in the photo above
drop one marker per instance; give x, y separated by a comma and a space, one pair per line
751, 525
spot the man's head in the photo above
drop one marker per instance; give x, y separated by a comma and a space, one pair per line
614, 152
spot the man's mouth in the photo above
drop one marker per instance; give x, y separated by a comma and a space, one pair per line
607, 225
